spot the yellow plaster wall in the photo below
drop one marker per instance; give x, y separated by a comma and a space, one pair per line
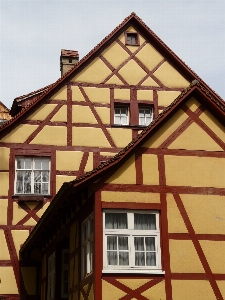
3, 210
61, 94
51, 135
214, 253
108, 153
115, 54
30, 222
4, 180
192, 104
90, 164
122, 94
114, 80
175, 220
192, 289
42, 112
213, 124
8, 281
76, 94
156, 292
68, 160
120, 136
165, 98
150, 169
195, 138
166, 130
104, 114
184, 258
42, 210
149, 56
83, 136
19, 237
145, 95
221, 285
95, 72
4, 252
170, 77
207, 171
4, 154
29, 275
110, 292
149, 82
19, 134
18, 213
126, 174
132, 72
83, 114
134, 197
61, 115
212, 210
98, 95
60, 179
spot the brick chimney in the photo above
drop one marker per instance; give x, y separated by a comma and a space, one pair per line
68, 59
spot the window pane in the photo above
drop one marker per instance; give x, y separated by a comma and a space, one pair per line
139, 243
151, 259
123, 243
145, 221
37, 188
45, 163
112, 258
27, 163
123, 258
27, 182
150, 243
20, 163
111, 242
139, 259
45, 188
45, 176
116, 221
37, 163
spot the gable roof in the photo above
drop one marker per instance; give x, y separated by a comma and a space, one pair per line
136, 22
195, 89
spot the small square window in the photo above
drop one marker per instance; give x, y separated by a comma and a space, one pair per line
132, 38
145, 115
121, 115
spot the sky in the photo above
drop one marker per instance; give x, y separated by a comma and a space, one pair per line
32, 34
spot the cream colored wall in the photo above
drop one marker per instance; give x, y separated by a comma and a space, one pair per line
8, 282
131, 197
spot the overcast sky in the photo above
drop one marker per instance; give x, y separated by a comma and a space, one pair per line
34, 32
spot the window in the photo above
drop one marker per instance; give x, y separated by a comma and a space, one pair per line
87, 245
145, 115
121, 115
131, 241
32, 175
51, 277
64, 273
131, 38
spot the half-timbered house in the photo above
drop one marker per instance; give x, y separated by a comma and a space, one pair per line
149, 223
66, 129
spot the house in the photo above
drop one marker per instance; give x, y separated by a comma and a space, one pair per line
81, 121
4, 113
147, 224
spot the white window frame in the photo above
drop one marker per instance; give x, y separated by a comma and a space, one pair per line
145, 120
32, 170
131, 233
51, 277
87, 231
64, 267
120, 115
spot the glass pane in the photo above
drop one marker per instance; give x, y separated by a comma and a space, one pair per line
45, 176
37, 188
141, 121
45, 163
150, 259
37, 163
37, 176
116, 221
27, 182
112, 258
124, 120
123, 243
139, 259
84, 231
20, 163
19, 182
111, 242
145, 221
117, 111
28, 163
123, 258
139, 243
117, 120
150, 243
148, 120
45, 189
123, 111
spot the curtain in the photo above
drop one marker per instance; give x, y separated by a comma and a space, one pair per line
117, 250
116, 221
145, 221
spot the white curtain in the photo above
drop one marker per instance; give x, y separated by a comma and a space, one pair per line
116, 221
144, 221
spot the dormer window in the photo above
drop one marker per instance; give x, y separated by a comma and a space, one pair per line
132, 38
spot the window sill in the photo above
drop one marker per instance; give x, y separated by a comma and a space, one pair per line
31, 198
134, 271
129, 126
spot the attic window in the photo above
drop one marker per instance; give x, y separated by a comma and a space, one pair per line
70, 60
132, 38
